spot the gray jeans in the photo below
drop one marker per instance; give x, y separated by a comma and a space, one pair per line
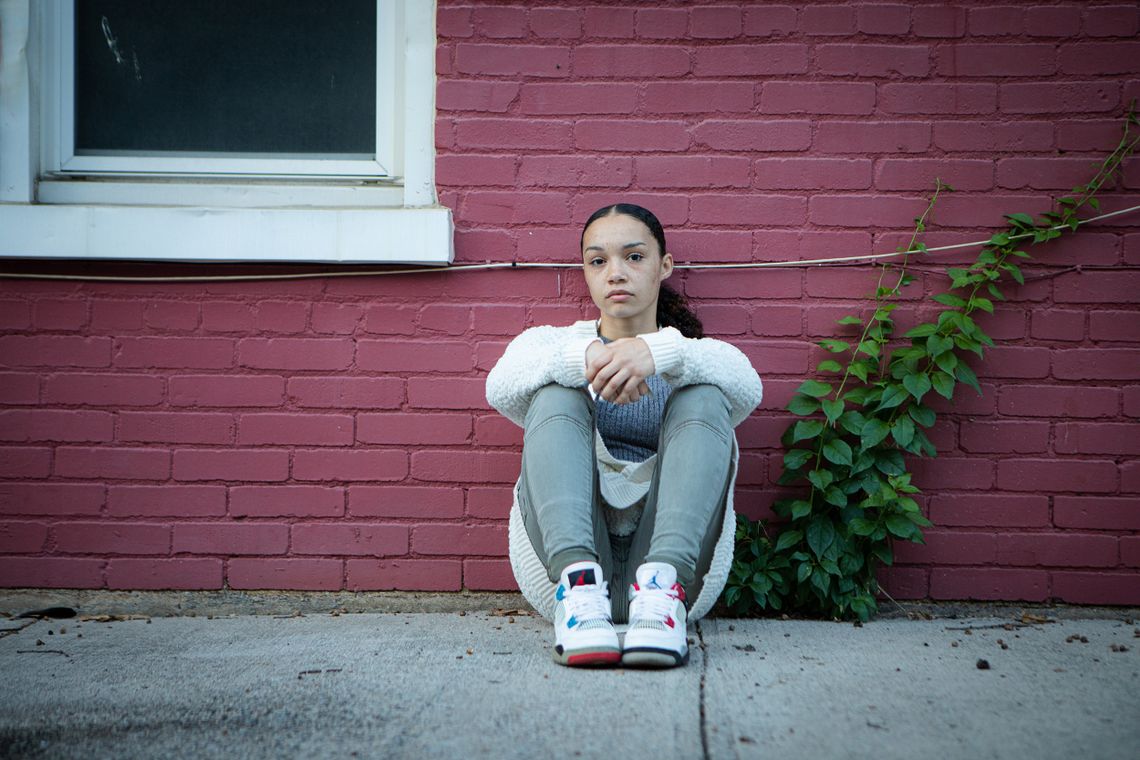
560, 499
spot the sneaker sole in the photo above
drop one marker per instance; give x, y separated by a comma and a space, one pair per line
588, 658
648, 657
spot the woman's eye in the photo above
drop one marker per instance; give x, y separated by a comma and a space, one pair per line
597, 261
636, 256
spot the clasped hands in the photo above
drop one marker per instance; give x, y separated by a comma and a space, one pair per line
617, 370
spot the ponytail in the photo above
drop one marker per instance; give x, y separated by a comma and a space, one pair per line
672, 311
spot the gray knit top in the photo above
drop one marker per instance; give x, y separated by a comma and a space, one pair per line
631, 431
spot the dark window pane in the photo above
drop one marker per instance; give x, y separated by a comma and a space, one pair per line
230, 76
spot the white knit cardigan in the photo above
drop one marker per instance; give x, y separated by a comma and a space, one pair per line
544, 355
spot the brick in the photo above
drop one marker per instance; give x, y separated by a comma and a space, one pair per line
488, 575
404, 575
1043, 173
176, 427
939, 21
1016, 361
388, 320
22, 537
811, 173
493, 430
415, 429
930, 98
295, 353
778, 321
1096, 438
286, 501
903, 582
661, 23
1050, 401
626, 61
166, 500
722, 319
692, 171
1057, 324
1020, 59
1112, 21
698, 97
947, 547
777, 358
118, 463
1086, 135
1097, 588
51, 498
226, 390
575, 171
265, 316
517, 207
454, 22
1058, 97
1096, 364
1096, 512
989, 583
501, 320
671, 210
350, 539
605, 21
181, 573
445, 318
412, 356
346, 392
883, 19
489, 502
994, 136
864, 210
1132, 401
868, 60
819, 98
1061, 21
747, 209
475, 170
920, 174
630, 135
989, 510
231, 538
55, 351
18, 388
25, 462
405, 501
969, 474
1046, 475
231, 464
504, 284
560, 23
59, 314
103, 390
772, 59
355, 464
175, 353
483, 245
872, 137
500, 22
827, 20
291, 429
455, 539
55, 425
339, 318
501, 134
292, 574
577, 98
996, 21
1098, 287
715, 23
465, 466
50, 572
692, 246
1130, 551
513, 60
112, 538
1054, 549
553, 315
754, 135
797, 245
16, 315
1005, 437
750, 283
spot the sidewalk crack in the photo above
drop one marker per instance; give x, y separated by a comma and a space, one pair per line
704, 675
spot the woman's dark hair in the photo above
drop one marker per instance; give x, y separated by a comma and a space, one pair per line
672, 310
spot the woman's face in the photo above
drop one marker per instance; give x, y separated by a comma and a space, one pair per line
624, 268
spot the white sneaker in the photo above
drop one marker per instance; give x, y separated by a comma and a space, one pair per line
583, 627
657, 619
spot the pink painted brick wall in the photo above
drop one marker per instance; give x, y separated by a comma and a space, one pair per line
332, 434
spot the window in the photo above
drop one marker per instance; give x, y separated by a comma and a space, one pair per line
268, 130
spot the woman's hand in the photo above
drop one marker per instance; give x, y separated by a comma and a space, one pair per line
617, 371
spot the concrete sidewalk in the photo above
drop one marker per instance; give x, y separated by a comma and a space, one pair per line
449, 685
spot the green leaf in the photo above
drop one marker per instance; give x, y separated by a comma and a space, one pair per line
943, 384
800, 508
1015, 272
1020, 220
982, 303
835, 346
853, 422
788, 538
814, 388
947, 361
803, 405
837, 452
1000, 238
923, 415
861, 526
921, 331
869, 347
874, 431
850, 319
829, 365
903, 431
821, 479
803, 571
918, 385
832, 408
820, 533
835, 497
806, 430
890, 462
893, 395
797, 458
959, 277
883, 552
967, 376
939, 344
900, 525
947, 299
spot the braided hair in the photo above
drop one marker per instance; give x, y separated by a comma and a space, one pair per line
672, 309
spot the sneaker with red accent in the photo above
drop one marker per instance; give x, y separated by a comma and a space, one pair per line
656, 637
584, 632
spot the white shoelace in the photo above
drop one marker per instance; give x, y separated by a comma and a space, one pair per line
589, 604
650, 607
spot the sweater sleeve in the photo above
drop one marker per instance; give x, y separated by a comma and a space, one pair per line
694, 361
537, 357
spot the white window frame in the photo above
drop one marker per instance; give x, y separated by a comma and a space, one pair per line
56, 205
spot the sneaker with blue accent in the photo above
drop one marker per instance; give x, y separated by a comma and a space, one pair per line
657, 636
584, 634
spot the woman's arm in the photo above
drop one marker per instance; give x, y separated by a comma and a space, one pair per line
685, 361
538, 357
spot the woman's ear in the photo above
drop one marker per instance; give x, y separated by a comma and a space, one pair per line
666, 266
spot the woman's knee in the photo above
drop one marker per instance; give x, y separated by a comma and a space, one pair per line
699, 402
557, 400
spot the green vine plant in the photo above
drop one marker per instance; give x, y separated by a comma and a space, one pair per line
847, 449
